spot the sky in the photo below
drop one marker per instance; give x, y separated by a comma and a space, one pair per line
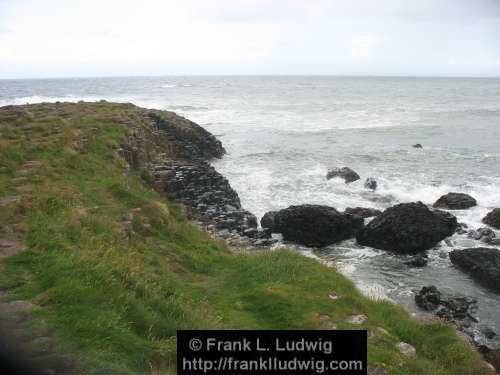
69, 38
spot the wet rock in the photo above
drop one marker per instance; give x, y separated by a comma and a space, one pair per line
346, 173
406, 349
455, 201
417, 261
483, 264
315, 225
462, 228
371, 183
488, 332
493, 218
363, 212
417, 145
267, 220
482, 234
407, 228
428, 298
459, 310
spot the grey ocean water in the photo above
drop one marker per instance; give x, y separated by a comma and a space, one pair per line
282, 133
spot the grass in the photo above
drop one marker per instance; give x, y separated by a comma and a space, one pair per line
115, 270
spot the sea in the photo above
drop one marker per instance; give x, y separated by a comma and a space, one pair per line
283, 133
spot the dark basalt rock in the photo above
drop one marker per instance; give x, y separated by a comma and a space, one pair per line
371, 183
455, 201
345, 173
315, 225
417, 145
408, 228
493, 218
483, 264
267, 220
190, 140
462, 228
417, 261
428, 298
486, 235
207, 193
459, 310
363, 212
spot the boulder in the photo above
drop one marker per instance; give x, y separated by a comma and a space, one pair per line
267, 220
406, 349
362, 212
483, 264
407, 228
371, 183
455, 201
315, 225
428, 298
417, 145
345, 173
418, 261
483, 234
493, 218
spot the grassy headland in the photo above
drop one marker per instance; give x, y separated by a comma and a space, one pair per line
114, 269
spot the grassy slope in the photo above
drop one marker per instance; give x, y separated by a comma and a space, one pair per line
117, 300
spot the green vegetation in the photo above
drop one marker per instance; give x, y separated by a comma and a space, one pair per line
115, 270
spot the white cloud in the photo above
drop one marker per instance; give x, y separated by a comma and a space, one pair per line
149, 37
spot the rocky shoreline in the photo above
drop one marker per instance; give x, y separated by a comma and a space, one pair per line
176, 154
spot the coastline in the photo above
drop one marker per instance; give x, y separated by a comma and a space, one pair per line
288, 291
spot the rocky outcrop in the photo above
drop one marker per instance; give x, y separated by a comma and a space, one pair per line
200, 187
175, 152
455, 201
493, 218
363, 212
407, 228
190, 140
459, 310
483, 264
315, 225
347, 174
267, 221
371, 183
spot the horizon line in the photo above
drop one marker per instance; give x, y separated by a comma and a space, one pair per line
252, 75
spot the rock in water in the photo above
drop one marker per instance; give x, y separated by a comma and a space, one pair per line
371, 183
315, 225
418, 261
408, 228
267, 220
483, 234
483, 264
346, 173
428, 298
493, 218
362, 212
455, 201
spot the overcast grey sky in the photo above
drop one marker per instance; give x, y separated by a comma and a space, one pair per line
61, 38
